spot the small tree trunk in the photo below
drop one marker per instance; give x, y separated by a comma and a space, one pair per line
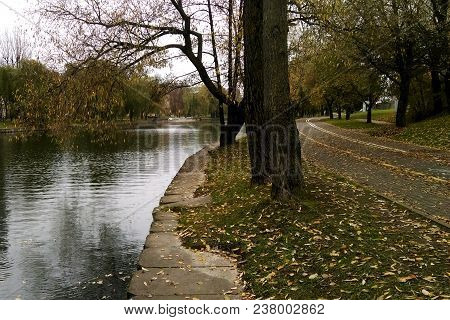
223, 130
369, 112
436, 91
339, 110
347, 114
405, 81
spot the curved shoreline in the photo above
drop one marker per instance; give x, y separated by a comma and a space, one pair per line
166, 269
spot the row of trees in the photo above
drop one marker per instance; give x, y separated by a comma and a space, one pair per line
99, 92
210, 34
194, 101
343, 53
349, 52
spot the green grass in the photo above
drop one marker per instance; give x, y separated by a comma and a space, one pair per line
433, 132
6, 125
353, 124
387, 115
336, 240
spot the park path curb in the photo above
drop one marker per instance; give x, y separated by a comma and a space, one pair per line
169, 271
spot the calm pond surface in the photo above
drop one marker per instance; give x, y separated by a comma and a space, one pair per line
74, 219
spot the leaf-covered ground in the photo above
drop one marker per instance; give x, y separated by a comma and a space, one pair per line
433, 132
335, 241
6, 125
387, 115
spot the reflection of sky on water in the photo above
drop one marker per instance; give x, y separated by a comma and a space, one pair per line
73, 222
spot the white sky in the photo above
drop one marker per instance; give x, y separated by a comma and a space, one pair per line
13, 14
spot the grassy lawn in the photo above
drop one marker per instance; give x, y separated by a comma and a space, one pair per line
6, 125
378, 115
433, 132
354, 124
334, 241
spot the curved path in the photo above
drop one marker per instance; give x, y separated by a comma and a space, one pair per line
414, 176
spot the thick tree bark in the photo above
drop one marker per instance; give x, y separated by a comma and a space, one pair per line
273, 138
436, 92
236, 118
400, 120
223, 128
347, 114
440, 17
230, 48
253, 90
369, 110
282, 130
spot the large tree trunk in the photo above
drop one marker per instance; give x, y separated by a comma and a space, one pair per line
273, 138
255, 115
347, 114
400, 120
436, 91
440, 17
235, 122
283, 135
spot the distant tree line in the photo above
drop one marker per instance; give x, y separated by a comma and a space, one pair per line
346, 53
96, 92
194, 101
38, 97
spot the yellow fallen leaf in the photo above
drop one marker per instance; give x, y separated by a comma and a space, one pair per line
426, 293
407, 278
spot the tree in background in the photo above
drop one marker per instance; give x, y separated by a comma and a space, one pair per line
402, 41
143, 96
130, 33
8, 83
198, 102
36, 102
14, 47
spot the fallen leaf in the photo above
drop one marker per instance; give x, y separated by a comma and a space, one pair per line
407, 278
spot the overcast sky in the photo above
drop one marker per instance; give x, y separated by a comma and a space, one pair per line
13, 14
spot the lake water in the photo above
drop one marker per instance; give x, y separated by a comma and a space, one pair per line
74, 219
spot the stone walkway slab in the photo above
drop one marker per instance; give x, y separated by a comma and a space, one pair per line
173, 257
169, 271
184, 282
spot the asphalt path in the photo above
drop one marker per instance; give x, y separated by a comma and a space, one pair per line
414, 176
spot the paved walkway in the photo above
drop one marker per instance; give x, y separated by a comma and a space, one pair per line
414, 176
169, 271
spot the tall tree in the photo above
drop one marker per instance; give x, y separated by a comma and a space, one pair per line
274, 143
14, 47
134, 32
